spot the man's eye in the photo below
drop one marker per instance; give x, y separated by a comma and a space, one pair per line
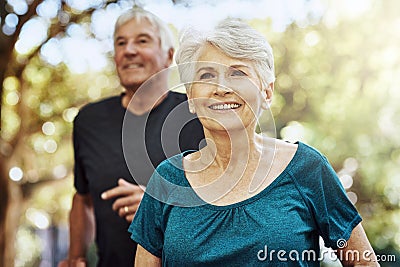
236, 72
120, 43
143, 41
206, 75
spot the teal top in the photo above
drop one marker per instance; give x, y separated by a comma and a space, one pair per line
280, 226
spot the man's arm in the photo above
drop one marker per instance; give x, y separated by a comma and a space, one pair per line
128, 197
81, 230
357, 251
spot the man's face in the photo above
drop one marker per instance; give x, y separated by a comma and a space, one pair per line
138, 53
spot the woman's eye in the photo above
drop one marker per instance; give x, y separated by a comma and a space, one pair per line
236, 72
143, 41
206, 75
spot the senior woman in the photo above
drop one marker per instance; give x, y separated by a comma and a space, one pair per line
244, 199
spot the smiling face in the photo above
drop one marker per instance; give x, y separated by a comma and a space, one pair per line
138, 53
226, 92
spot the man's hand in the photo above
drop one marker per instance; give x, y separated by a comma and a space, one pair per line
128, 197
80, 262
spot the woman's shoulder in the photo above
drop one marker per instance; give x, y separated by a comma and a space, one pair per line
311, 153
309, 165
169, 185
298, 150
283, 153
171, 170
286, 147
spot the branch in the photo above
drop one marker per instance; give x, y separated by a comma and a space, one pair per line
3, 12
23, 19
55, 29
28, 188
8, 42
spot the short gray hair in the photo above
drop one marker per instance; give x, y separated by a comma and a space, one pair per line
137, 13
236, 39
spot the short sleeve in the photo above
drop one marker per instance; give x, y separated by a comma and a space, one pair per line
146, 228
333, 212
341, 216
80, 181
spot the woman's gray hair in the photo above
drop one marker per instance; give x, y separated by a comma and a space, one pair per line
233, 37
137, 13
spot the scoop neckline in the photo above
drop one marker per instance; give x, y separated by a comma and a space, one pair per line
254, 198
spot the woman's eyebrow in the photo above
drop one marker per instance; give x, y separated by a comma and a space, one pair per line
205, 68
235, 66
238, 66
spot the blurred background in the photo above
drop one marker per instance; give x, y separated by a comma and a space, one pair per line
337, 88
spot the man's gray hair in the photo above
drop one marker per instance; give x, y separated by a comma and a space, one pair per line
137, 13
234, 38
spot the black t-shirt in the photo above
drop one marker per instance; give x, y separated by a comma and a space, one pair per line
109, 144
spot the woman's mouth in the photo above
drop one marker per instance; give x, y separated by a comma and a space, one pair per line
225, 106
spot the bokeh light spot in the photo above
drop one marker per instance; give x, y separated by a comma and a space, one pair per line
70, 113
346, 180
50, 146
353, 197
60, 171
293, 132
11, 20
38, 218
48, 128
11, 83
19, 7
12, 98
16, 174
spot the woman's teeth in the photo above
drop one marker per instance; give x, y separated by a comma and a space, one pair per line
224, 106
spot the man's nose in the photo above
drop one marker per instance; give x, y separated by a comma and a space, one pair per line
131, 48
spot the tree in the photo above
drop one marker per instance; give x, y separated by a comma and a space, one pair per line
23, 121
335, 89
6, 51
40, 99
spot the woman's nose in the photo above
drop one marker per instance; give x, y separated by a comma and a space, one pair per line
222, 88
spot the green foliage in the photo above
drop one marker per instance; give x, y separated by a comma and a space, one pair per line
336, 89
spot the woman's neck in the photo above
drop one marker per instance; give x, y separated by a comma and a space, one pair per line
227, 149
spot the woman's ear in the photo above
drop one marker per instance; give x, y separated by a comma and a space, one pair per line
267, 96
190, 100
270, 91
191, 106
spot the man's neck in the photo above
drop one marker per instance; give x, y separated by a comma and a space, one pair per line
144, 100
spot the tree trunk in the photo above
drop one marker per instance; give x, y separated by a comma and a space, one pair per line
4, 201
10, 212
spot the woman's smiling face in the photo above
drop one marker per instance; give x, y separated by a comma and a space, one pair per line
225, 93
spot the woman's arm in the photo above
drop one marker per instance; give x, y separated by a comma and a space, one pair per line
145, 258
357, 251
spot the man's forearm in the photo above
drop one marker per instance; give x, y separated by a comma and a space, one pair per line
82, 226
